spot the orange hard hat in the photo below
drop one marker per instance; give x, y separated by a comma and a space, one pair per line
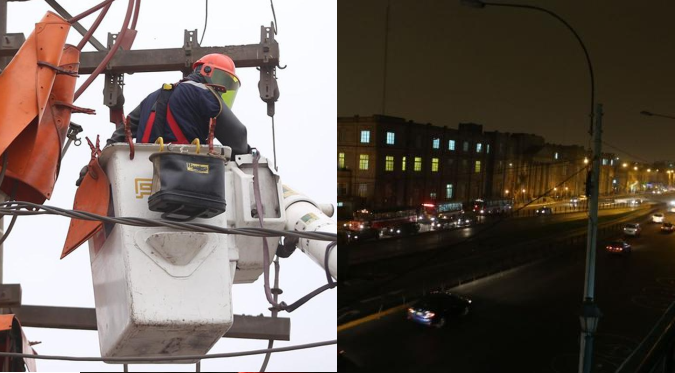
218, 61
219, 69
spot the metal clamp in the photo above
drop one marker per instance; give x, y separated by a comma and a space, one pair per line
73, 131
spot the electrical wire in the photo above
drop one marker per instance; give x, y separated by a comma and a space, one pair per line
277, 291
274, 25
266, 256
146, 359
206, 19
274, 146
29, 208
626, 153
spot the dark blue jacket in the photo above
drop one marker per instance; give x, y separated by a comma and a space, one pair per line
192, 105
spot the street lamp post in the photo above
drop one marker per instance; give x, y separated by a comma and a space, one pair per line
591, 317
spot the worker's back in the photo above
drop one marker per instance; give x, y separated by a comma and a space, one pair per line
190, 105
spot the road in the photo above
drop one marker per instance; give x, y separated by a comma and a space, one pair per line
526, 321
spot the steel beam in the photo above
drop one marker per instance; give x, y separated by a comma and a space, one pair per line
248, 327
175, 59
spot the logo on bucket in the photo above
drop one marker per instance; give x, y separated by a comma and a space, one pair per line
143, 187
198, 168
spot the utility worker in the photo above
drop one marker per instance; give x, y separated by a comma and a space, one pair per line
181, 112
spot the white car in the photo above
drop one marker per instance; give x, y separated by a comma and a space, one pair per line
657, 218
632, 229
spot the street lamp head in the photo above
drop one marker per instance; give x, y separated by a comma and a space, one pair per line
647, 113
473, 3
590, 315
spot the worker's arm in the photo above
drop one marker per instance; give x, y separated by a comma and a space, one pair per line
133, 119
231, 132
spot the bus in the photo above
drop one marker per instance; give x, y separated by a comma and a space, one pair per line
490, 207
377, 223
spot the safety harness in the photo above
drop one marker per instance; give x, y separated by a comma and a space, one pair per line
161, 114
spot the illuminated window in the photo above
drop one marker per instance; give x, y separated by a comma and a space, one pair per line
363, 190
488, 148
466, 146
341, 160
432, 196
340, 204
390, 138
436, 143
555, 156
403, 164
434, 164
365, 137
389, 163
418, 163
363, 161
448, 191
477, 168
479, 147
451, 144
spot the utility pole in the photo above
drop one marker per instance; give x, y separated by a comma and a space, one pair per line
590, 312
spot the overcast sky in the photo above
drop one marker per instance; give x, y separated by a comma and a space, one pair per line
305, 127
515, 70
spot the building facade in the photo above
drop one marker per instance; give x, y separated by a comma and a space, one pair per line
389, 162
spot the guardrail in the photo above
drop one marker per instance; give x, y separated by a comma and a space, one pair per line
657, 351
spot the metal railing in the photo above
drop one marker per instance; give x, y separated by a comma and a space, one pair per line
657, 351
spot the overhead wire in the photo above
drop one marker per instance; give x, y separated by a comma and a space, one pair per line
206, 19
29, 208
140, 359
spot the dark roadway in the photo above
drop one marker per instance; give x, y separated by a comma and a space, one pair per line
526, 320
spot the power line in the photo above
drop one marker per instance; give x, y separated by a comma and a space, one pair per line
206, 19
625, 152
170, 358
29, 208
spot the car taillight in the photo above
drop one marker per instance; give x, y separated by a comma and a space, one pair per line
410, 310
429, 315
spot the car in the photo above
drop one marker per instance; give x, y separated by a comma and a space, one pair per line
632, 229
635, 202
657, 218
544, 211
667, 227
466, 220
618, 247
438, 308
363, 235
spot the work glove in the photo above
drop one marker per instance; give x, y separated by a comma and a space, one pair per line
83, 173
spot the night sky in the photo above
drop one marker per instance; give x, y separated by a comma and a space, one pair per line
516, 70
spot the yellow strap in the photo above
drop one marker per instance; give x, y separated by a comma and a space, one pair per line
167, 86
196, 142
160, 141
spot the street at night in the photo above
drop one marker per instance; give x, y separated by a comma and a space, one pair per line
527, 317
506, 186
